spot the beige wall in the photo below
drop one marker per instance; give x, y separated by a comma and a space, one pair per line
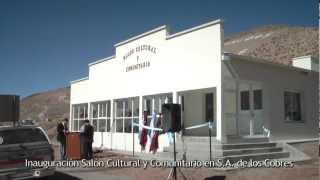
275, 81
194, 111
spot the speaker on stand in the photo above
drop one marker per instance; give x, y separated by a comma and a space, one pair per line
9, 108
171, 115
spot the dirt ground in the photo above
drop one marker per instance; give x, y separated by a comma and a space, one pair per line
308, 170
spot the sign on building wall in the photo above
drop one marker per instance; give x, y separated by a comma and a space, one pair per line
140, 61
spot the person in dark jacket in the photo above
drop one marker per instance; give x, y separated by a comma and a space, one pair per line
62, 129
90, 132
86, 140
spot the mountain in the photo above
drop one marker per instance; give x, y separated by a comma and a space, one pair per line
46, 108
278, 43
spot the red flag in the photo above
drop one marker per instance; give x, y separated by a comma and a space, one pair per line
154, 141
143, 134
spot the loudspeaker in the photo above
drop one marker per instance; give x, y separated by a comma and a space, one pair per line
171, 115
9, 108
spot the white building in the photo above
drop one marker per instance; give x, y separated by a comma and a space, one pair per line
244, 96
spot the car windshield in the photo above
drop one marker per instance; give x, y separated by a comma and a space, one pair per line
18, 136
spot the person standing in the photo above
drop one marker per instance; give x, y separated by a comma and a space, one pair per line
86, 140
83, 149
89, 133
62, 129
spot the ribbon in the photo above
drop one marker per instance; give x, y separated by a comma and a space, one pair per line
147, 127
197, 126
208, 124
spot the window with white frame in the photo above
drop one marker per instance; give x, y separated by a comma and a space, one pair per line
245, 100
100, 116
257, 99
135, 115
118, 120
154, 103
126, 113
79, 114
292, 106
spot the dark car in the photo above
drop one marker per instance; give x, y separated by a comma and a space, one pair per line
22, 143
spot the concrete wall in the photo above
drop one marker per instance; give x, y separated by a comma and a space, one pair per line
306, 62
79, 92
275, 80
229, 102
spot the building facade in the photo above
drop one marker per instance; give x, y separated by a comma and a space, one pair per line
243, 96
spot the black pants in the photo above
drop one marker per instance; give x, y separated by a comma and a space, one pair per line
62, 146
86, 148
63, 151
90, 152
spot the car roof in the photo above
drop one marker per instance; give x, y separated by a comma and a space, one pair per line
19, 127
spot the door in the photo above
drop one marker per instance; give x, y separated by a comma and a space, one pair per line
250, 109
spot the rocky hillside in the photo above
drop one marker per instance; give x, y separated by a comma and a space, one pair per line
46, 108
278, 43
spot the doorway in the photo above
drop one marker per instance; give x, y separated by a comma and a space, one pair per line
250, 109
198, 108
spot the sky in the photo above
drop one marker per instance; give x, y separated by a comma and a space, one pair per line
45, 44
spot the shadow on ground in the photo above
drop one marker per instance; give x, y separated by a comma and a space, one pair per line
215, 178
